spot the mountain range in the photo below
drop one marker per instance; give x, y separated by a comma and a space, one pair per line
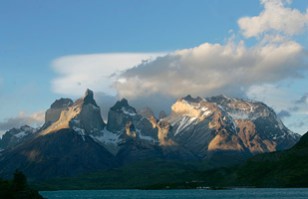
75, 140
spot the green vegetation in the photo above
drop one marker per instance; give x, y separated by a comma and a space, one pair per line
280, 169
17, 188
154, 174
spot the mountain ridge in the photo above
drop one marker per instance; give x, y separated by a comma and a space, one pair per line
220, 130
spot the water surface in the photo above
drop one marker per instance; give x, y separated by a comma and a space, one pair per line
179, 194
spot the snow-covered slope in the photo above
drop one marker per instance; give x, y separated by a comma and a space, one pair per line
226, 124
257, 122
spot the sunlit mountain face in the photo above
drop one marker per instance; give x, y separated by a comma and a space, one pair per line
75, 139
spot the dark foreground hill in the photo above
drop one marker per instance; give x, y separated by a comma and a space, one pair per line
278, 169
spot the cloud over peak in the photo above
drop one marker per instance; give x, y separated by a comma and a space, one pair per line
211, 69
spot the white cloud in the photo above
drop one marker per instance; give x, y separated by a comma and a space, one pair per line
211, 69
34, 120
276, 17
96, 71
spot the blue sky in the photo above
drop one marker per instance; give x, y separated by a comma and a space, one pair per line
52, 49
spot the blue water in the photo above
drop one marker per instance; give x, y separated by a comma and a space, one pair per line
180, 194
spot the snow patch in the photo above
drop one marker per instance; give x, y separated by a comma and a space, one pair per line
280, 124
128, 112
107, 137
76, 121
239, 115
145, 137
80, 131
184, 123
20, 134
204, 109
207, 113
109, 140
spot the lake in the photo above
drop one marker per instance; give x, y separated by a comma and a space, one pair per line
179, 194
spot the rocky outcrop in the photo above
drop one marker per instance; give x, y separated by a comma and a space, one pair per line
54, 112
83, 116
220, 125
137, 132
123, 118
15, 136
257, 125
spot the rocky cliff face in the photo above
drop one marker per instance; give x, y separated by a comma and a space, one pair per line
257, 125
83, 116
75, 140
137, 132
221, 127
124, 119
205, 129
54, 112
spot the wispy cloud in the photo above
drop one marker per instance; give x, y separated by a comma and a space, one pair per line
96, 71
34, 120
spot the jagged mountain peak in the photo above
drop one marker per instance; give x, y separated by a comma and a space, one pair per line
120, 104
54, 112
89, 97
61, 103
119, 115
191, 99
83, 116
